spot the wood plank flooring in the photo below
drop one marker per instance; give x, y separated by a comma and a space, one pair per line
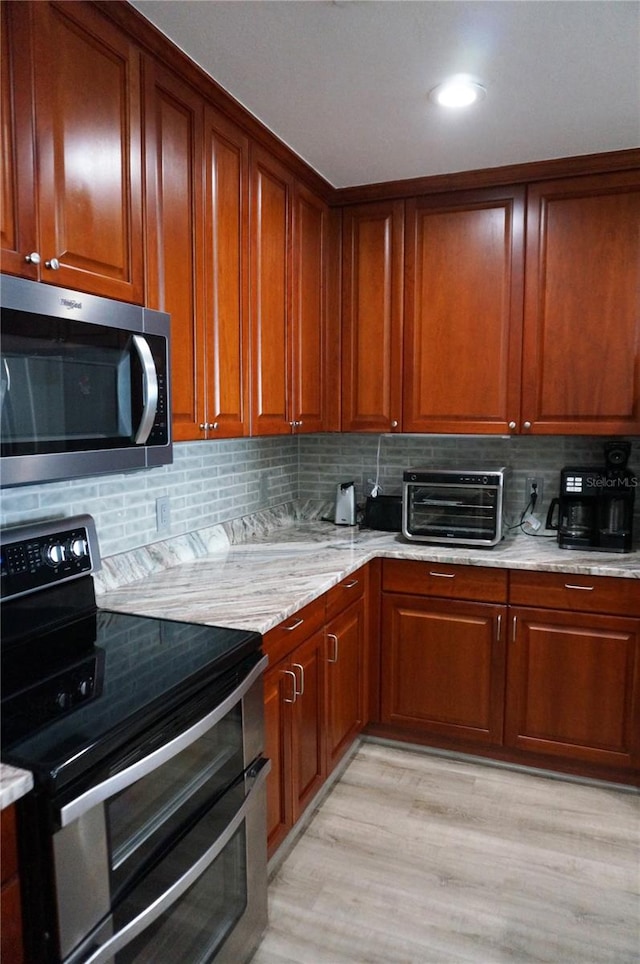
416, 859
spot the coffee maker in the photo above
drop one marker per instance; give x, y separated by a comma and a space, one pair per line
595, 505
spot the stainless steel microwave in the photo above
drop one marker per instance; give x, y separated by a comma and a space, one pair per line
459, 507
84, 384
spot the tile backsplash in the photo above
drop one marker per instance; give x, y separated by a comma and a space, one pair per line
213, 482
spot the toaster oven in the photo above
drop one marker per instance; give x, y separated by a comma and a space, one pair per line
453, 506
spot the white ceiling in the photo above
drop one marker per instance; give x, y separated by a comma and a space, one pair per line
345, 83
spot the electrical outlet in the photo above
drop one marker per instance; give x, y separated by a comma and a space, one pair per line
163, 514
534, 480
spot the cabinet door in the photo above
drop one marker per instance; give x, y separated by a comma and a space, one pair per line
443, 667
308, 732
574, 686
346, 680
463, 312
174, 222
226, 277
87, 83
18, 236
372, 317
271, 208
278, 687
581, 371
309, 360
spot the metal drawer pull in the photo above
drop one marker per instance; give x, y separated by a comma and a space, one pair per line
350, 585
289, 672
297, 623
515, 627
444, 575
335, 648
568, 585
499, 632
301, 668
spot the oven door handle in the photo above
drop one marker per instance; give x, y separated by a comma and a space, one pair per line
120, 781
108, 950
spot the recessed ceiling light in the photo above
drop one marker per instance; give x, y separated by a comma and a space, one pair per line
457, 92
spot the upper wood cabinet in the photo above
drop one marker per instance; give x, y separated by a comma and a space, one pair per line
463, 311
87, 201
294, 348
581, 372
197, 252
372, 277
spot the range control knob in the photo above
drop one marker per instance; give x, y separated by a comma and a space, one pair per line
55, 553
63, 700
78, 548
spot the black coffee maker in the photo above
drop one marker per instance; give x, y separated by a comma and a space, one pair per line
595, 505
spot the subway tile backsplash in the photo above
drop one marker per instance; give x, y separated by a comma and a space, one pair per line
214, 482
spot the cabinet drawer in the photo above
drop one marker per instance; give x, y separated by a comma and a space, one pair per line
346, 592
591, 594
284, 637
442, 579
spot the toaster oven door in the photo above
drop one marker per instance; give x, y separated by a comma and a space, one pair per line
445, 512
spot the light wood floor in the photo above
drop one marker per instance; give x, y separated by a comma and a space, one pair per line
414, 859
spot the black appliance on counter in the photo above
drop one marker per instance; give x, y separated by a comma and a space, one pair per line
144, 838
595, 505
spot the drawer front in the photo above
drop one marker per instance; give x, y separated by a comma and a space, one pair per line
349, 590
284, 638
9, 854
591, 594
448, 581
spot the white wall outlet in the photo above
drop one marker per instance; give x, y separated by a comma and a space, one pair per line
534, 480
163, 514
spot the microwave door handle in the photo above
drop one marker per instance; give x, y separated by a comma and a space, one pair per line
124, 778
105, 953
149, 389
5, 382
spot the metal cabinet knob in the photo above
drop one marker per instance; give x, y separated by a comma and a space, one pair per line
527, 425
213, 425
394, 423
33, 258
512, 425
53, 264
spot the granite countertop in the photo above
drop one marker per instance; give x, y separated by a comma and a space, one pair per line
255, 584
252, 573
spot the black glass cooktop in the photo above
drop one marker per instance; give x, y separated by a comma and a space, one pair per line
73, 694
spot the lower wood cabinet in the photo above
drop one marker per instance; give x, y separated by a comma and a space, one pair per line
11, 951
315, 695
573, 688
443, 651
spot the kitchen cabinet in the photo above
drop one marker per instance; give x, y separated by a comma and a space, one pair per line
294, 717
463, 311
443, 652
292, 352
372, 316
75, 219
197, 253
574, 669
346, 664
581, 371
11, 949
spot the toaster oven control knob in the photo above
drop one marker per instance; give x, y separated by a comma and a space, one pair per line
55, 553
78, 548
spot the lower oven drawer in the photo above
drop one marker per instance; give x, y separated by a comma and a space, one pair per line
205, 900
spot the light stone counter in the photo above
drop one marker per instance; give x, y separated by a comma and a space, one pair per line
14, 784
255, 579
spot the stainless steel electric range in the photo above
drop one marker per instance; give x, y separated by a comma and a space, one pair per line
144, 838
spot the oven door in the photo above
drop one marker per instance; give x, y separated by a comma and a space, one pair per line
166, 857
